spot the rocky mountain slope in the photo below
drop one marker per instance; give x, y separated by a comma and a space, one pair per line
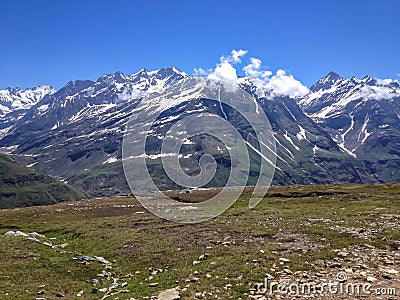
362, 117
21, 186
14, 102
76, 133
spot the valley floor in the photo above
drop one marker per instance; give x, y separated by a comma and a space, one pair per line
343, 240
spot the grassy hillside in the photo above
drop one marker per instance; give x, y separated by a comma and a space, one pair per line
21, 186
297, 234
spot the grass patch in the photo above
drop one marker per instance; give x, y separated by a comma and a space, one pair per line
302, 223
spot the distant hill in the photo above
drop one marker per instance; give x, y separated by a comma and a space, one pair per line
21, 186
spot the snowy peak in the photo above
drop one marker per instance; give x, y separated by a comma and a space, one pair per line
255, 86
144, 78
354, 110
82, 99
80, 128
13, 99
169, 72
326, 82
332, 93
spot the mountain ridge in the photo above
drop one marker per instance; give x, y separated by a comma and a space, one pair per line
21, 186
76, 133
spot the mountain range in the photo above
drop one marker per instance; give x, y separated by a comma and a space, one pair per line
343, 130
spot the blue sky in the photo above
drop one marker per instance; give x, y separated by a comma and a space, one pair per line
53, 42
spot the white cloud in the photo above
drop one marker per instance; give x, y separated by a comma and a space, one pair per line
127, 94
236, 55
377, 92
201, 72
384, 89
384, 81
253, 69
225, 70
280, 84
286, 85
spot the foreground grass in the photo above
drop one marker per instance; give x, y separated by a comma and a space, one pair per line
304, 224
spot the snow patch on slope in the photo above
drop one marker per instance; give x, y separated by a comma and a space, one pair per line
289, 139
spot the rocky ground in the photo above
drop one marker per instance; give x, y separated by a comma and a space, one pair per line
301, 242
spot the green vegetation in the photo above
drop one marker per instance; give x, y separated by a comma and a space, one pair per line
21, 186
307, 225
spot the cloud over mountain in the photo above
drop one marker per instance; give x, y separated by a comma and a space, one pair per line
280, 83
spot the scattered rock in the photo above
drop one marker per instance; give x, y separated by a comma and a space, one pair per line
154, 284
287, 271
269, 276
102, 260
16, 233
335, 265
284, 260
41, 292
170, 294
203, 257
342, 254
33, 239
83, 257
48, 244
79, 294
113, 286
60, 295
37, 235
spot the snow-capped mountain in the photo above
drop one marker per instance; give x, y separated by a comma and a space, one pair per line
362, 116
76, 133
81, 99
353, 110
14, 102
12, 99
332, 94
